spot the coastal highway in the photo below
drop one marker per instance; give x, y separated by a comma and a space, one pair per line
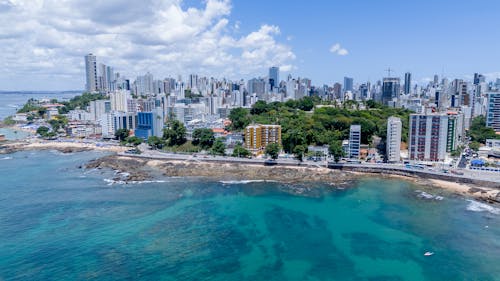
468, 175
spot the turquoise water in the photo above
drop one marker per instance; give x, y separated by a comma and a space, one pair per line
60, 222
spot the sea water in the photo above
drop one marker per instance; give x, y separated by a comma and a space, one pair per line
61, 222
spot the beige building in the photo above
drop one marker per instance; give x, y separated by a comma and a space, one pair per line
258, 136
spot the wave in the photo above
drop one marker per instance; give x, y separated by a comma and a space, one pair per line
122, 182
425, 195
244, 181
475, 206
6, 158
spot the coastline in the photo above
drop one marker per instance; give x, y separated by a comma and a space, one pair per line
143, 168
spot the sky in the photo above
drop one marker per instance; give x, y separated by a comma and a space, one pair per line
43, 42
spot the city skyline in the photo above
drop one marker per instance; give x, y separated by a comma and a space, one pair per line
240, 40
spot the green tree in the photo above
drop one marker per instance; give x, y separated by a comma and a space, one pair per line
175, 133
240, 151
474, 145
479, 132
204, 137
135, 141
273, 150
335, 149
155, 142
42, 131
239, 118
259, 107
218, 148
121, 134
299, 152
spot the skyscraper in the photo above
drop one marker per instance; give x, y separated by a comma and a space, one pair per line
390, 89
428, 137
493, 114
274, 77
407, 83
393, 141
348, 84
91, 73
354, 141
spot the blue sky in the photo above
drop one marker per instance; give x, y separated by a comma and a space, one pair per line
43, 43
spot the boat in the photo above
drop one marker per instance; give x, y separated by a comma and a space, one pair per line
427, 254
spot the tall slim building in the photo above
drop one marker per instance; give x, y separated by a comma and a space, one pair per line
348, 84
274, 77
390, 89
91, 73
407, 83
393, 142
493, 112
428, 137
354, 141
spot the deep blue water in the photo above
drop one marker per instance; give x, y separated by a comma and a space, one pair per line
60, 222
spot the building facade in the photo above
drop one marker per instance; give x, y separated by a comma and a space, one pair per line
393, 141
493, 111
258, 136
354, 141
428, 137
91, 73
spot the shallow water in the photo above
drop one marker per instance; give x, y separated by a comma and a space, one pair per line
59, 222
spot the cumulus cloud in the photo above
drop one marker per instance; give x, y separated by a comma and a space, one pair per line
49, 38
337, 49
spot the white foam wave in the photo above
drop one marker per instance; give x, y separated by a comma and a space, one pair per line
475, 206
121, 182
243, 181
425, 195
6, 158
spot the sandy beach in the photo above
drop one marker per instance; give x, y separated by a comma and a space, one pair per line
63, 145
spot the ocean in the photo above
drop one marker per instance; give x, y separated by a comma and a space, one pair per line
61, 222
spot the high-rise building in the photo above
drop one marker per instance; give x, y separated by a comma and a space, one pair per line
274, 77
493, 111
257, 86
348, 84
390, 89
393, 141
407, 83
436, 80
91, 73
119, 100
428, 137
354, 141
257, 137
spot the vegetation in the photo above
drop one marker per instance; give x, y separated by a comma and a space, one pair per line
186, 147
240, 151
42, 131
273, 150
478, 131
155, 142
133, 140
474, 145
175, 133
59, 122
335, 150
31, 105
218, 148
203, 137
239, 118
8, 121
321, 126
81, 101
121, 134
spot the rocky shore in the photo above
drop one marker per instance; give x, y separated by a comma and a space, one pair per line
140, 169
145, 169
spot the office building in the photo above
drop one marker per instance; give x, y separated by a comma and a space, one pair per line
274, 77
390, 89
393, 141
258, 136
149, 124
493, 111
348, 84
91, 73
354, 141
428, 137
407, 83
119, 100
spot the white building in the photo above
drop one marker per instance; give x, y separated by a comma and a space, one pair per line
354, 141
393, 142
119, 100
428, 137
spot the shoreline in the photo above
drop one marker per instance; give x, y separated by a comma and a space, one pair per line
144, 168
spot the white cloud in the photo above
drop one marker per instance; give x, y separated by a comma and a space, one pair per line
48, 38
337, 49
